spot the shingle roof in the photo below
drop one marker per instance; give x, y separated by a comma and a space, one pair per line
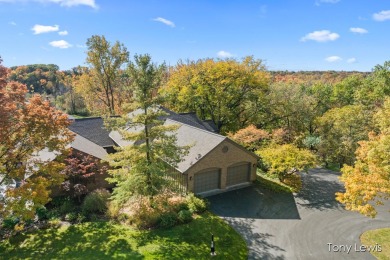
201, 141
86, 146
206, 124
92, 129
186, 118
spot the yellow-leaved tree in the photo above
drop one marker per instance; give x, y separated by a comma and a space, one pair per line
229, 92
367, 182
285, 161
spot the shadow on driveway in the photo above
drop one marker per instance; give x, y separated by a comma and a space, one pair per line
259, 243
255, 202
318, 191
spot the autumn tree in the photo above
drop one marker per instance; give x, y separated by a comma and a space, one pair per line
71, 101
295, 108
101, 81
81, 171
340, 129
375, 88
286, 160
250, 137
344, 92
367, 182
32, 134
141, 168
39, 78
229, 92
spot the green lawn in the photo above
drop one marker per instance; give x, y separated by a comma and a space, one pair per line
102, 240
270, 183
379, 237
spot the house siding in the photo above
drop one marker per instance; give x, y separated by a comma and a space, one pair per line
222, 160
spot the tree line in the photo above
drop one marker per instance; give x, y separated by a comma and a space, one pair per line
336, 116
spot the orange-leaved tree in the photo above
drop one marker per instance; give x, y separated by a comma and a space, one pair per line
250, 137
32, 135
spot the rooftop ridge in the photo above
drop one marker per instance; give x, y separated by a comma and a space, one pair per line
86, 118
186, 113
200, 129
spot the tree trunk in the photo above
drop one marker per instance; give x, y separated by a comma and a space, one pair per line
148, 159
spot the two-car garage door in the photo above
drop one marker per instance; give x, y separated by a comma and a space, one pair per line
211, 179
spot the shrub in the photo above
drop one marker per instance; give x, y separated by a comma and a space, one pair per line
56, 202
42, 213
142, 215
294, 181
53, 214
94, 217
176, 203
71, 217
80, 218
54, 223
113, 210
95, 202
19, 227
168, 220
184, 216
195, 204
67, 206
10, 222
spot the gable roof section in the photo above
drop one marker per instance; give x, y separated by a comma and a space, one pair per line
209, 124
206, 124
200, 140
92, 129
86, 146
79, 143
185, 118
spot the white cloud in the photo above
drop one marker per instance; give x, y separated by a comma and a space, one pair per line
63, 33
60, 44
382, 16
70, 3
12, 23
38, 29
224, 54
320, 36
164, 21
352, 60
358, 30
81, 46
67, 3
333, 59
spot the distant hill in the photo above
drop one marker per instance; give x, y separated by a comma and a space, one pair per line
313, 77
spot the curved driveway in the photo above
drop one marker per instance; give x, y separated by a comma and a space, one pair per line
307, 225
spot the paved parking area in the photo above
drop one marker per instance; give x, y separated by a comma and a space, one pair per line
307, 225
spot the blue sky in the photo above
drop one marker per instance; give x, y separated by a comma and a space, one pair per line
287, 35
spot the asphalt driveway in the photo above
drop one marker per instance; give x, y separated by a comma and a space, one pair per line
307, 225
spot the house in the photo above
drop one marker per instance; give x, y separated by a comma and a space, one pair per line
214, 163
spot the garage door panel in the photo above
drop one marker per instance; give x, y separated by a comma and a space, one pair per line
238, 174
206, 181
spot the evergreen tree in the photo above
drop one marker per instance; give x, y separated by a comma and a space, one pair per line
142, 167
